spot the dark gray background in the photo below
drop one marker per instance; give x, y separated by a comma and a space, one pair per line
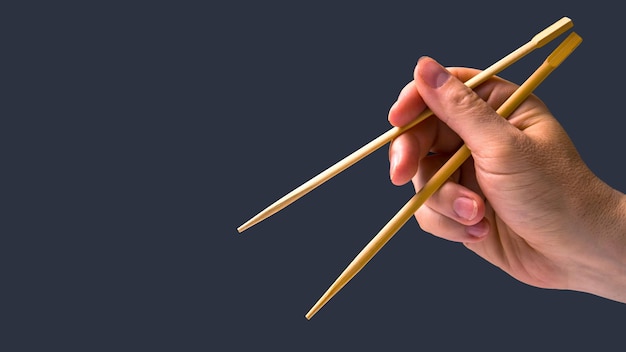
137, 137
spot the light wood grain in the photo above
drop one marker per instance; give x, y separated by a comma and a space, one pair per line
444, 173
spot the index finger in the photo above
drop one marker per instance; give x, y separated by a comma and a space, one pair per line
409, 103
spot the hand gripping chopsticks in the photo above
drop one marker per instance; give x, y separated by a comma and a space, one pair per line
539, 40
385, 234
444, 173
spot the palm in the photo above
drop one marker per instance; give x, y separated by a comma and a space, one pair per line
513, 254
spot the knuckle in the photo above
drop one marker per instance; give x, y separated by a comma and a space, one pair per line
464, 100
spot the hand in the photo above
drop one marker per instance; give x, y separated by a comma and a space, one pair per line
525, 201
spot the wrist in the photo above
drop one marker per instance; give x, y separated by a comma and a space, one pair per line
600, 267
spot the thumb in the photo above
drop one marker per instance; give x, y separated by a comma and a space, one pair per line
460, 107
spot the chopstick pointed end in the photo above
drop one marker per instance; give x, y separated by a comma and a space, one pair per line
312, 312
255, 220
243, 228
248, 224
332, 290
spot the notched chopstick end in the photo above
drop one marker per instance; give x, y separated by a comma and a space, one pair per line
553, 31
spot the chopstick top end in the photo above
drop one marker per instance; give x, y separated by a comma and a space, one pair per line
556, 29
564, 49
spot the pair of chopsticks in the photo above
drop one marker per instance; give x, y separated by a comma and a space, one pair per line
407, 211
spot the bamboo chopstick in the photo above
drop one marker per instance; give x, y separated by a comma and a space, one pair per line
407, 211
539, 40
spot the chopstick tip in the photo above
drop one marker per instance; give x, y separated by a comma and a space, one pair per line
318, 305
248, 224
311, 313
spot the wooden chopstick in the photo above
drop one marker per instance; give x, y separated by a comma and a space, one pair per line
407, 211
539, 40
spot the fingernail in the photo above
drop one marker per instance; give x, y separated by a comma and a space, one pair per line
465, 208
479, 230
432, 73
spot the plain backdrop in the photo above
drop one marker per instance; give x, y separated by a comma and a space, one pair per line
138, 136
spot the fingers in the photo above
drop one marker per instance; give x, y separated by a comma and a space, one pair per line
407, 107
454, 212
457, 210
407, 149
459, 107
457, 203
409, 103
404, 154
441, 226
431, 135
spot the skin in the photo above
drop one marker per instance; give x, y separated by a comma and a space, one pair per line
525, 201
